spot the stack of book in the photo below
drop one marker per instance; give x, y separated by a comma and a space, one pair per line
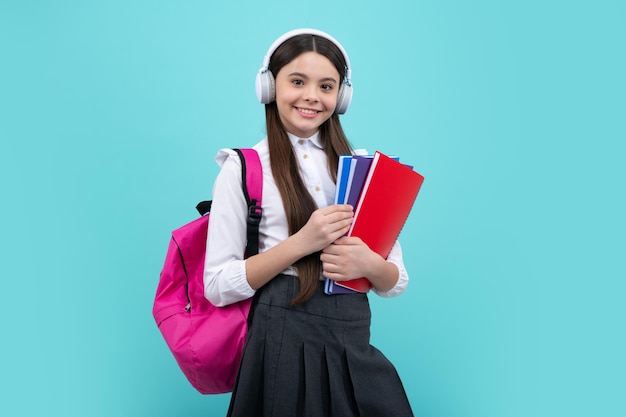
382, 191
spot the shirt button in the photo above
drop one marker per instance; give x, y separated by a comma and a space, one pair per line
301, 142
305, 156
317, 188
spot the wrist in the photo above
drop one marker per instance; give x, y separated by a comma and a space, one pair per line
297, 246
384, 274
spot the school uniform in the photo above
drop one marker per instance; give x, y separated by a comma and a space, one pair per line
313, 359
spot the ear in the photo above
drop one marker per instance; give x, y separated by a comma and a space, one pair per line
343, 98
265, 87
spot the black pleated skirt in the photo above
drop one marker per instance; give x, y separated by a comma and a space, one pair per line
313, 359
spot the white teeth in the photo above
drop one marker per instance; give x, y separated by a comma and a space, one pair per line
307, 111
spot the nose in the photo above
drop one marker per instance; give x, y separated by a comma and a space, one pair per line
310, 93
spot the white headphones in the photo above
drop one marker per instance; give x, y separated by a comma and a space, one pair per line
265, 84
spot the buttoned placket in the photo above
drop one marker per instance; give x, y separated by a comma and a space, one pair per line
311, 177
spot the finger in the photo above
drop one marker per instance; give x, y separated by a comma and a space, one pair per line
329, 255
339, 231
343, 240
336, 208
330, 270
342, 207
340, 218
335, 228
335, 274
327, 252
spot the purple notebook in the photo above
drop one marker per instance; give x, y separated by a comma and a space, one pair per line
361, 167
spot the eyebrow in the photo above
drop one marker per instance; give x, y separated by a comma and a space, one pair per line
301, 75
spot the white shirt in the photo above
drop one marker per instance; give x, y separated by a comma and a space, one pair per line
225, 280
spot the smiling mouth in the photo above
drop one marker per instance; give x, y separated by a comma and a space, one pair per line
307, 111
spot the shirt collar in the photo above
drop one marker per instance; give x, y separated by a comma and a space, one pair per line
315, 139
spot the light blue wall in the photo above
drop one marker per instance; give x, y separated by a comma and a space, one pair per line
111, 113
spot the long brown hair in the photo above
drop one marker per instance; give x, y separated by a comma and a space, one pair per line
297, 201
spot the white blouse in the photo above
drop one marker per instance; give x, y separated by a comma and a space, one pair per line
225, 280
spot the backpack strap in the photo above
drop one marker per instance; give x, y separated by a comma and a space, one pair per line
252, 185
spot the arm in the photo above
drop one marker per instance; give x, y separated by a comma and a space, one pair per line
324, 226
224, 267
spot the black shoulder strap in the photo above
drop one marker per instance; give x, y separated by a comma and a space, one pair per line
255, 210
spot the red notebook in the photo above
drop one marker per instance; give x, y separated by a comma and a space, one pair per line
387, 198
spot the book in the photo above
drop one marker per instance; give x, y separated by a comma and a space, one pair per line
360, 167
343, 171
351, 169
331, 287
341, 190
345, 175
386, 200
358, 173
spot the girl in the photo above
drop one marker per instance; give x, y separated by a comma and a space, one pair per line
307, 353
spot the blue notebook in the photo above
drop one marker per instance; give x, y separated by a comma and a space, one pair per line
343, 171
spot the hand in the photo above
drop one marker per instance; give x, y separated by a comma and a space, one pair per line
325, 226
348, 258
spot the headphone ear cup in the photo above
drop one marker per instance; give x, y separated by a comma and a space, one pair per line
265, 87
343, 98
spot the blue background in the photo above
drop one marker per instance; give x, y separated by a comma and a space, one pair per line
111, 113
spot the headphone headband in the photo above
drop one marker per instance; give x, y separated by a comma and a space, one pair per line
306, 31
265, 83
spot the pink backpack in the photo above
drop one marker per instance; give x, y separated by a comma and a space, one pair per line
207, 341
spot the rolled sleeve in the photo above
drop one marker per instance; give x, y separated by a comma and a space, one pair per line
228, 285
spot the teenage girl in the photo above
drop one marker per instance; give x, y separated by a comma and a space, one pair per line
307, 353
